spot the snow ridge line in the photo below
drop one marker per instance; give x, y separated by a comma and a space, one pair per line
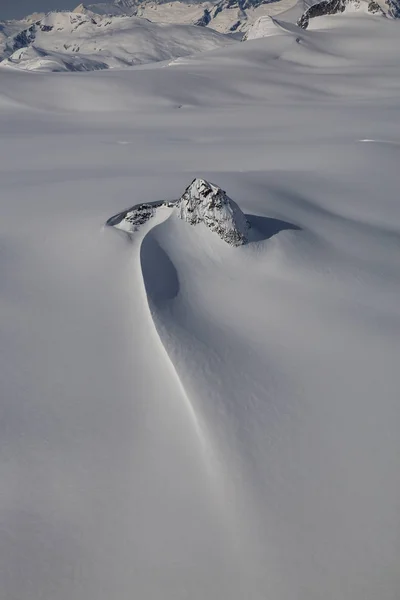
188, 405
221, 485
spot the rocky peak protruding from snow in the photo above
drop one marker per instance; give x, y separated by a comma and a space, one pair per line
333, 7
204, 202
201, 203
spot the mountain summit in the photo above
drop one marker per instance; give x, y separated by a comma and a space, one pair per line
204, 202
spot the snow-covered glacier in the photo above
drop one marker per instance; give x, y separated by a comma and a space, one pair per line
182, 418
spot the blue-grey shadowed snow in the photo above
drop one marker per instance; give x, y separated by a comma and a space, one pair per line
159, 274
263, 228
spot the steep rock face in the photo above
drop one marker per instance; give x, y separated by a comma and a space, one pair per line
394, 8
327, 7
24, 38
204, 20
202, 202
334, 7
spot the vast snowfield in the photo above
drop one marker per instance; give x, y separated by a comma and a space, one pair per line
182, 419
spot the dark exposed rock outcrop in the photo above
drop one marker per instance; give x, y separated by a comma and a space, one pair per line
201, 202
204, 202
334, 7
204, 20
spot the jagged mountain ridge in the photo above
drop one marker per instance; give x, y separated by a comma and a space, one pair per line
226, 16
229, 16
333, 7
85, 40
388, 8
75, 42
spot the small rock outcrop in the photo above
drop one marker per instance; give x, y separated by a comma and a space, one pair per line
132, 219
393, 8
201, 202
374, 8
204, 19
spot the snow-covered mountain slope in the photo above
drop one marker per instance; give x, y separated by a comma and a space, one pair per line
263, 27
201, 203
8, 29
226, 16
74, 41
334, 7
180, 418
388, 8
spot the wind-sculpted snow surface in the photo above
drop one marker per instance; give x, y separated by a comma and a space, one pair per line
202, 202
182, 418
131, 220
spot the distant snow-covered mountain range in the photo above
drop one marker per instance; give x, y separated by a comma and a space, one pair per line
81, 42
127, 33
226, 16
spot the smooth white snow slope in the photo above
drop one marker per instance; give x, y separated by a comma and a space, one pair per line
183, 419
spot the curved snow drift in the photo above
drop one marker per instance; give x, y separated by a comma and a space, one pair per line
160, 276
177, 262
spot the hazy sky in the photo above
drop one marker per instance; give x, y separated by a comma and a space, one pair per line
10, 9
